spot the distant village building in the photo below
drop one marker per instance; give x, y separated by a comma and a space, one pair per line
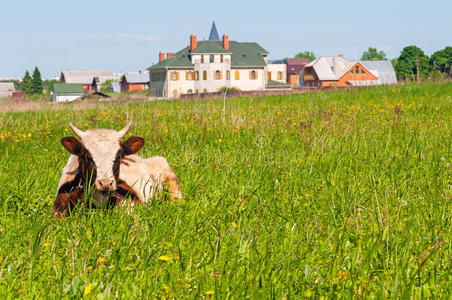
295, 67
208, 66
135, 82
337, 71
6, 89
86, 77
115, 87
62, 92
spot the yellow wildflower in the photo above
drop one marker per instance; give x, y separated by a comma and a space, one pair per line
164, 258
210, 292
234, 224
88, 288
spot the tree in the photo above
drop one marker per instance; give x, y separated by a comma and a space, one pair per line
36, 85
442, 60
373, 54
412, 63
106, 86
26, 85
306, 54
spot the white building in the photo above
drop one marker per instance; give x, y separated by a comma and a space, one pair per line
63, 92
208, 66
6, 89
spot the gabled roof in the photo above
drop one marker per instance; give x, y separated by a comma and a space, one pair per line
137, 78
7, 87
324, 67
296, 65
382, 69
243, 55
213, 36
208, 47
179, 60
85, 76
68, 88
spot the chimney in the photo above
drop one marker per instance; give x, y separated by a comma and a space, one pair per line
161, 56
226, 42
169, 54
193, 42
340, 55
139, 72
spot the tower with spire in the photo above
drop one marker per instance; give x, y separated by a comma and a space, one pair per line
213, 36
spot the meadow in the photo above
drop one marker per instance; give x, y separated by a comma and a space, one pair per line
320, 195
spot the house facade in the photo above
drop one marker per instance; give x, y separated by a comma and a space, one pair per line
64, 92
295, 67
86, 78
337, 71
208, 66
135, 82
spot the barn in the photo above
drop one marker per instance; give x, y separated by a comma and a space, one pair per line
63, 92
135, 82
86, 77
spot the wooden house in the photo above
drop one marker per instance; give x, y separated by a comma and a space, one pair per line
337, 71
295, 67
86, 77
135, 82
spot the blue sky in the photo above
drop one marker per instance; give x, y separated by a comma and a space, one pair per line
127, 35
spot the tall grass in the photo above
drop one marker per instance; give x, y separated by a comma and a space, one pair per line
335, 194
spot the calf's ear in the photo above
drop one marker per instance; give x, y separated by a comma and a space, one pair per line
72, 145
132, 145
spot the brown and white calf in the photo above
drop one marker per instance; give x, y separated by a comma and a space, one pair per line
104, 165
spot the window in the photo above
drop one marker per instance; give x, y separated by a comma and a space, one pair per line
253, 75
351, 72
188, 75
212, 58
221, 58
204, 91
175, 75
228, 75
279, 75
197, 91
202, 59
217, 75
362, 71
269, 75
204, 75
197, 75
357, 69
190, 92
237, 75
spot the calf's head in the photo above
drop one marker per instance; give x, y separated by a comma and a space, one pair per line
100, 152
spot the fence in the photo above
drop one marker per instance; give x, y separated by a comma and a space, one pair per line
237, 94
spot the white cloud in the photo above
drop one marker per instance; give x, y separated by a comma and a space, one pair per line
120, 37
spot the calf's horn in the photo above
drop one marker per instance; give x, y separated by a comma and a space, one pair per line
123, 131
77, 131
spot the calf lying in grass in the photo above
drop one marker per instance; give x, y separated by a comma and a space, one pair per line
104, 166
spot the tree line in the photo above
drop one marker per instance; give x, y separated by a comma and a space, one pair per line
412, 64
32, 85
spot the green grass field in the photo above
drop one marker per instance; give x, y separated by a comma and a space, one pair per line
335, 195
